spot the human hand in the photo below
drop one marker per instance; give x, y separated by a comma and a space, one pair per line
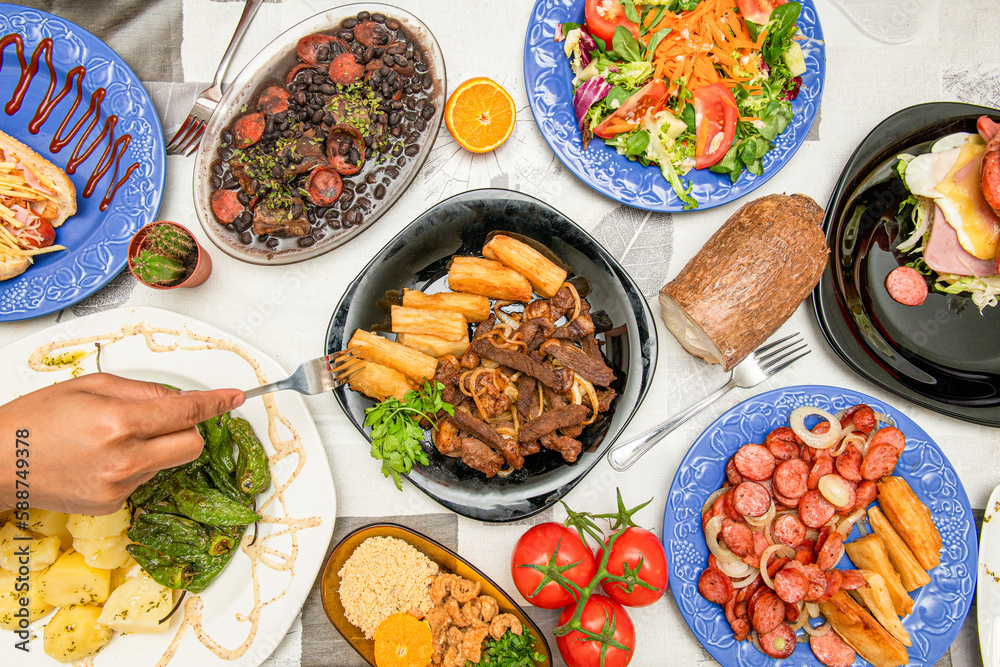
93, 439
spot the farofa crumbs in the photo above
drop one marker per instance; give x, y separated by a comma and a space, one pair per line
385, 576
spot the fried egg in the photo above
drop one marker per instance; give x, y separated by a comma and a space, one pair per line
950, 175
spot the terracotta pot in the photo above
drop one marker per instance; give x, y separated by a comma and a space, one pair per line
202, 268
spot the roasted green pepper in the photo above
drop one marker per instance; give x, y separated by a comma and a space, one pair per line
253, 474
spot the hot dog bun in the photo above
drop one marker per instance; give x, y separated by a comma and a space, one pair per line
11, 267
51, 177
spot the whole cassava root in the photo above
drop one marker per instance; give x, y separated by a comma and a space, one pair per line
748, 279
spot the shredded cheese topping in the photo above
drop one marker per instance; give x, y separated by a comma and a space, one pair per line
24, 204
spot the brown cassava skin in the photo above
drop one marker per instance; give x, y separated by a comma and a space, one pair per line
753, 273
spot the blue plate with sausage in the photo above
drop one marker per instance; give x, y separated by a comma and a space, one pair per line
940, 607
87, 112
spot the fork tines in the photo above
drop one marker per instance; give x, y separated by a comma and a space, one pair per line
772, 358
187, 137
344, 365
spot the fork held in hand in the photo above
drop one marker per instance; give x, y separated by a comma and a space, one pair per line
764, 362
188, 136
316, 376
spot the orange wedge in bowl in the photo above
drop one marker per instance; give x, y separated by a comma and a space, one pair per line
403, 641
480, 115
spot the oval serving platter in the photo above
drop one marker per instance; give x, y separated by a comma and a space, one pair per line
443, 556
417, 259
271, 65
940, 607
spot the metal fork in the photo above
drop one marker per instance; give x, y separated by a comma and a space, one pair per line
316, 376
188, 136
764, 362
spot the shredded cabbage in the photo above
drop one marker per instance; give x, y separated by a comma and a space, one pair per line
983, 290
923, 215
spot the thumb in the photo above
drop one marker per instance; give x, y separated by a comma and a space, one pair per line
182, 410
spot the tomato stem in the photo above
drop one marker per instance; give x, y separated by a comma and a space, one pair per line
586, 525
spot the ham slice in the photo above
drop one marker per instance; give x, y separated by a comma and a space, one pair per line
945, 254
987, 128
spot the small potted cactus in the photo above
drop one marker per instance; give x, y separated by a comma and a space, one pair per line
165, 255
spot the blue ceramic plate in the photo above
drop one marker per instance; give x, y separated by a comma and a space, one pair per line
939, 607
97, 237
547, 79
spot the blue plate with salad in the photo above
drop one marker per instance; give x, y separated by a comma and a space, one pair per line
941, 353
675, 104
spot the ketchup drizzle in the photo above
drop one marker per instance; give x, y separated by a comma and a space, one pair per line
114, 149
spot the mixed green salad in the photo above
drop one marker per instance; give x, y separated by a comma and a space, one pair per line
686, 84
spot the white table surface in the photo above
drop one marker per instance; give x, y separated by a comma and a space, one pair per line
951, 52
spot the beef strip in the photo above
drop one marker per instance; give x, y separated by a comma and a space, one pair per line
279, 221
604, 398
549, 421
310, 149
470, 359
492, 401
538, 308
529, 448
477, 427
477, 455
568, 447
525, 396
534, 331
591, 347
582, 325
561, 380
449, 375
587, 367
560, 303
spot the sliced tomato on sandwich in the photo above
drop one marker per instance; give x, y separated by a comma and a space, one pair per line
715, 113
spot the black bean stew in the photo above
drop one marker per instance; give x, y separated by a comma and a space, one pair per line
314, 155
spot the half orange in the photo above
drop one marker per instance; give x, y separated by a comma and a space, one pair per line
480, 114
403, 641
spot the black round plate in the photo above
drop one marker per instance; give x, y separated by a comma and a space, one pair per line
944, 354
417, 258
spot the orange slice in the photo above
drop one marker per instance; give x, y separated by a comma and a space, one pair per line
480, 115
403, 641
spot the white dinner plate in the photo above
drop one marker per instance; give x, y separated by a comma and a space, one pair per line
158, 345
988, 583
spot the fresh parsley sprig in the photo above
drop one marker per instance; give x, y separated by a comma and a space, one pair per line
510, 651
396, 434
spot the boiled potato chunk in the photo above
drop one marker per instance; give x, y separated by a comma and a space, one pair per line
10, 599
91, 527
120, 574
49, 524
71, 581
138, 605
19, 548
73, 633
106, 553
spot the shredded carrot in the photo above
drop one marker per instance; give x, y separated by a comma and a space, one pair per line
709, 44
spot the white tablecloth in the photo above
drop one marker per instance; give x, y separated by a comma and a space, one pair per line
947, 51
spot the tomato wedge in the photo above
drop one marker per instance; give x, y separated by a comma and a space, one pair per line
715, 113
603, 16
758, 11
649, 98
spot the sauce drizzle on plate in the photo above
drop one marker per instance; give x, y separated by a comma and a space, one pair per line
115, 148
